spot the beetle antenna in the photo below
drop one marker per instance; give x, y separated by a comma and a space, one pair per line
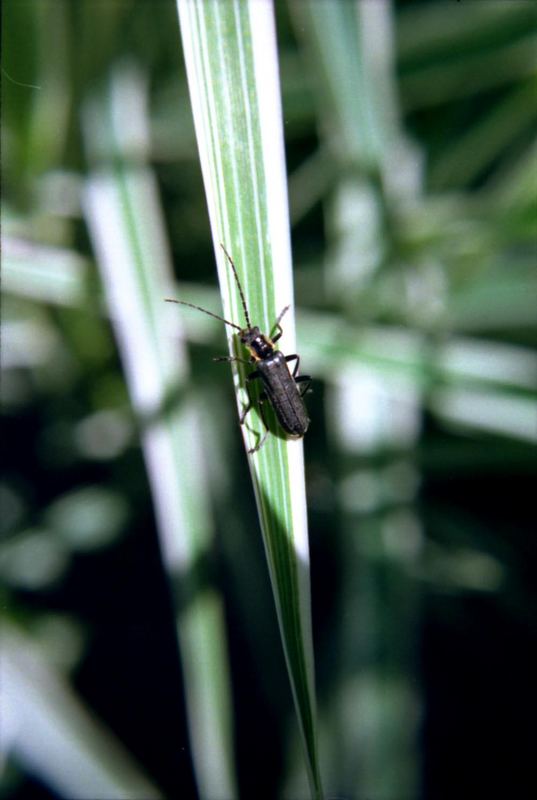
243, 300
199, 308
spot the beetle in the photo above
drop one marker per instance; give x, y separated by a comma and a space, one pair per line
283, 389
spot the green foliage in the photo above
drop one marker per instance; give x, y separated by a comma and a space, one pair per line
412, 163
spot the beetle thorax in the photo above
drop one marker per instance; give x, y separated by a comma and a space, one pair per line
259, 345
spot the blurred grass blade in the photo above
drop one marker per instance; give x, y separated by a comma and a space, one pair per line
230, 53
488, 411
446, 56
351, 47
486, 141
51, 274
126, 227
53, 736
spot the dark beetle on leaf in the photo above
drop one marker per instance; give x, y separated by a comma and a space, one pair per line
283, 389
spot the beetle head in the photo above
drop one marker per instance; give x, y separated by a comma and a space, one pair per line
249, 335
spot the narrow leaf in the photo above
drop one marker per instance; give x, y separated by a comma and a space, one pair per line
230, 53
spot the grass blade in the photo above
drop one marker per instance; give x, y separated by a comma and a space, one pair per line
47, 728
230, 54
125, 223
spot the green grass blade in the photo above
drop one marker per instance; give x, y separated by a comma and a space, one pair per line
50, 731
230, 54
126, 226
351, 46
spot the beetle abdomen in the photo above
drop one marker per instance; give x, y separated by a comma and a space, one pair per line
283, 394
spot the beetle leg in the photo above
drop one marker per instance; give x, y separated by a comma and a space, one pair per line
277, 325
292, 358
252, 376
261, 442
303, 379
248, 408
245, 412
